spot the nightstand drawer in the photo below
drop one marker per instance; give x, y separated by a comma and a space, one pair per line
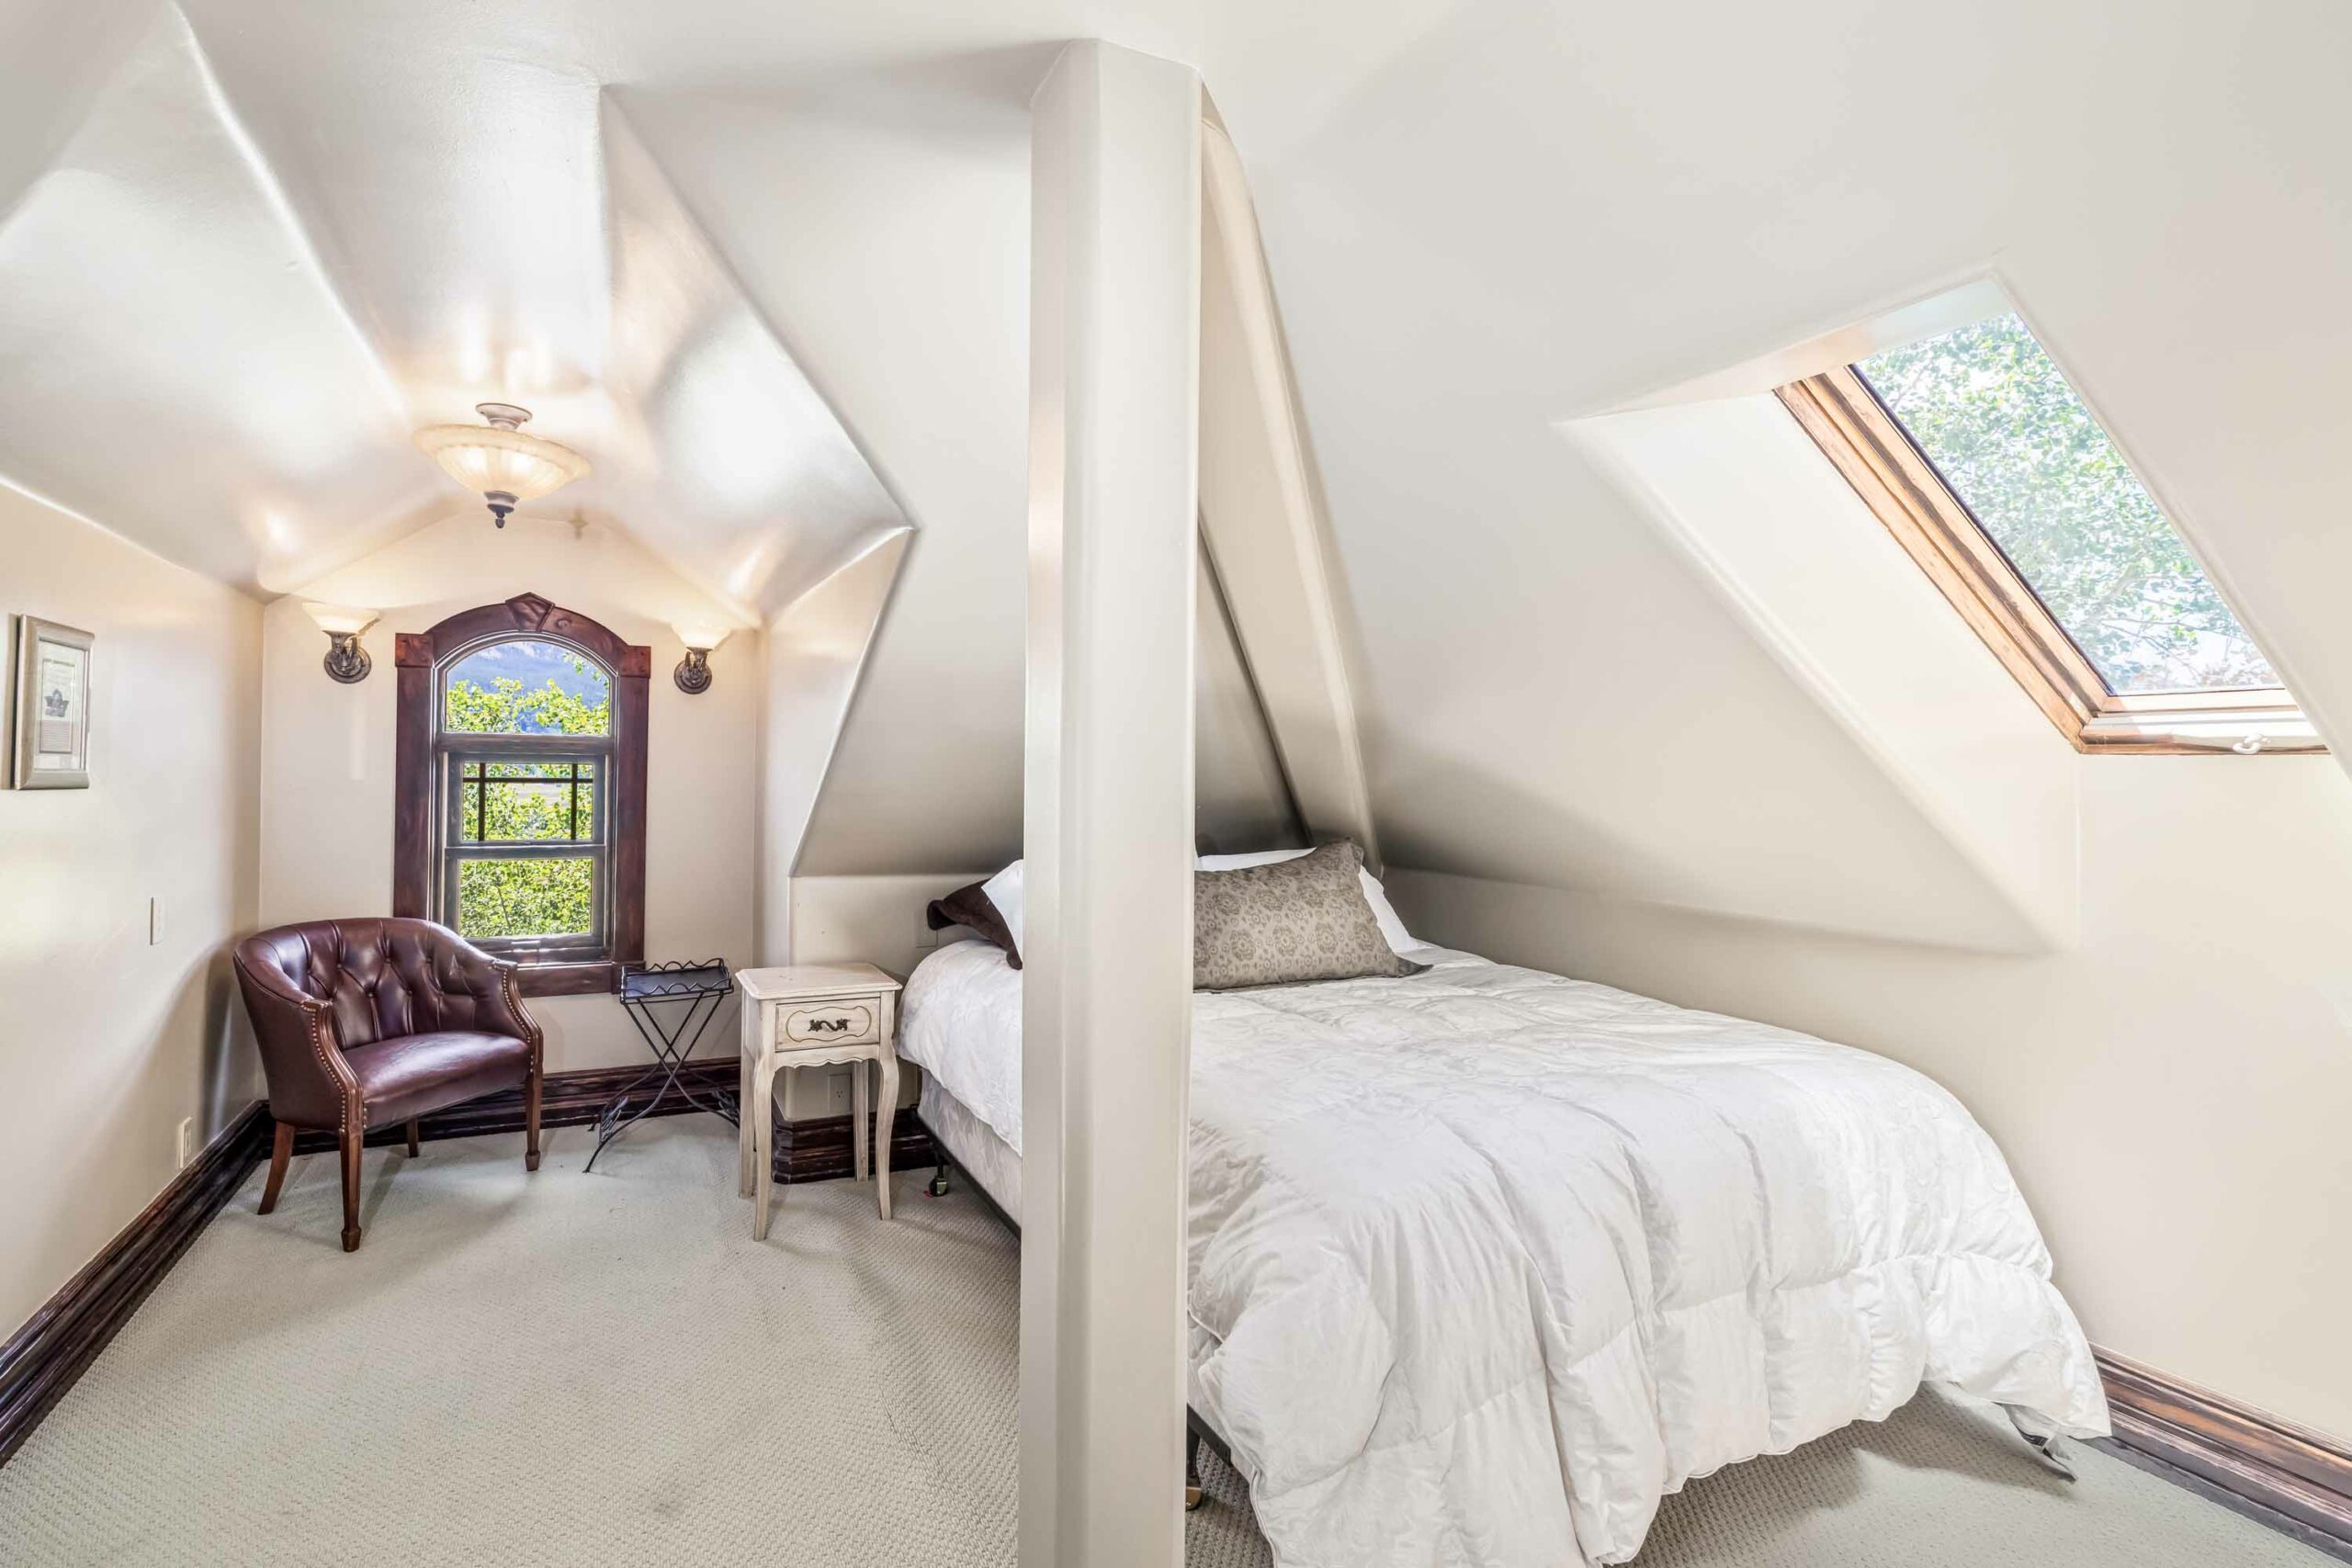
830, 1024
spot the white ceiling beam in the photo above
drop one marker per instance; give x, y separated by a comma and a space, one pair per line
1106, 989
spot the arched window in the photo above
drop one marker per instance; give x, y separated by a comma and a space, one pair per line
520, 784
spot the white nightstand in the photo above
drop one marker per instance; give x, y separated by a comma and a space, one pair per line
814, 1015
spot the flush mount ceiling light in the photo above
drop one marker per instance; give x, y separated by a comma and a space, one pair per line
496, 458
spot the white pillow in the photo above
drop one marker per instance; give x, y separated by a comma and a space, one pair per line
1399, 940
1004, 890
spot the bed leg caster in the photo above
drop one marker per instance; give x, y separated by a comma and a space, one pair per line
2043, 1443
939, 1187
1193, 1495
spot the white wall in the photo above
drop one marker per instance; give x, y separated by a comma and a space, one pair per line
1763, 518
1265, 538
108, 1042
2172, 1093
870, 919
877, 920
900, 250
1242, 791
327, 750
815, 651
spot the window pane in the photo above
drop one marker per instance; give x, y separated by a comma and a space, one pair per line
1991, 410
526, 687
525, 802
526, 898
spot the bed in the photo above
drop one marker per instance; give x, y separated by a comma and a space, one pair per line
1484, 1261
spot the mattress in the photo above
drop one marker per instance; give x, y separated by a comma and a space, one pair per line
1484, 1262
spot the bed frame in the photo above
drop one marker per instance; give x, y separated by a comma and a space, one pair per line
1197, 1431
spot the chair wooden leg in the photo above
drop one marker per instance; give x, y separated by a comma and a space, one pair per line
281, 1149
412, 1137
531, 1120
351, 1138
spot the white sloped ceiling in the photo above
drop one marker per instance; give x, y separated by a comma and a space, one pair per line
282, 238
1549, 210
172, 358
766, 265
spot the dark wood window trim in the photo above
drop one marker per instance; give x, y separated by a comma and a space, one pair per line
418, 656
1902, 489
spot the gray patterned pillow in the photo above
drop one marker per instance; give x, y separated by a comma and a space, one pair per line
1287, 923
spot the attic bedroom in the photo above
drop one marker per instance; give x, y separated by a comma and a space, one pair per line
1445, 784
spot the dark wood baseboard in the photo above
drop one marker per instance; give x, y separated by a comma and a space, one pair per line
567, 1099
58, 1344
819, 1150
814, 1150
2290, 1470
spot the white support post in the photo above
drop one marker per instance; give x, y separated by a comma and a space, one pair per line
1106, 988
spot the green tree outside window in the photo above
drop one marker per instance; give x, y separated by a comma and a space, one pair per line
1992, 411
527, 802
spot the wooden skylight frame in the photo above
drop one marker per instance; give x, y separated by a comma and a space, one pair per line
1934, 526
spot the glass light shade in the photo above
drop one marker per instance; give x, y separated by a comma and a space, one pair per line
500, 459
335, 620
702, 637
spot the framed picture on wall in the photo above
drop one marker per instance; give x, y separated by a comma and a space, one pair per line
50, 741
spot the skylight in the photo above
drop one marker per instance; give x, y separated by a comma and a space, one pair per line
1987, 407
1972, 450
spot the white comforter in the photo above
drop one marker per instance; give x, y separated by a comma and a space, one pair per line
1484, 1262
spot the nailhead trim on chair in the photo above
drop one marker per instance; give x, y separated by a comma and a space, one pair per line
332, 1060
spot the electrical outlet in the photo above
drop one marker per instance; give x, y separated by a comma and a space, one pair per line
186, 1145
837, 1092
155, 925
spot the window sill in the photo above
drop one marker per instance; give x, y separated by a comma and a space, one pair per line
2194, 732
567, 980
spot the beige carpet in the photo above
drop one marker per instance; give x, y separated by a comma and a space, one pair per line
1941, 1485
606, 1370
554, 1368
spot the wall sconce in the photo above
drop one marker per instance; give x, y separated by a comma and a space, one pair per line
346, 660
693, 673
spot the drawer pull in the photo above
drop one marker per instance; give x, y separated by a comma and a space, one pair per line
854, 1023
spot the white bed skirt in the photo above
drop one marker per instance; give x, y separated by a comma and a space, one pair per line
989, 1159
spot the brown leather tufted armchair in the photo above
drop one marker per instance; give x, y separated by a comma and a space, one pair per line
368, 1022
